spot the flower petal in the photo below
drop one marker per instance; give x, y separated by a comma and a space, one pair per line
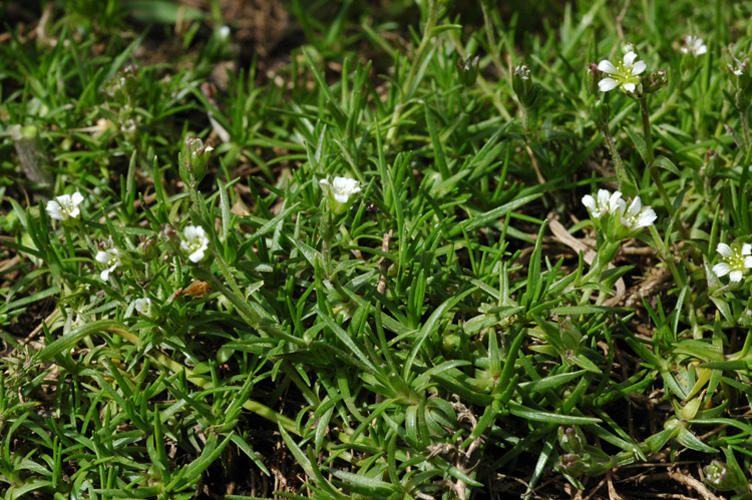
724, 250
606, 67
589, 202
639, 67
629, 58
736, 276
721, 269
748, 262
746, 249
607, 84
629, 87
703, 49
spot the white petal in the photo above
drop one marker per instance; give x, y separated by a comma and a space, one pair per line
646, 218
721, 269
724, 250
77, 198
603, 196
635, 207
702, 50
735, 276
746, 249
629, 87
102, 257
616, 204
197, 256
606, 67
629, 58
589, 202
324, 182
607, 84
54, 211
684, 50
104, 274
748, 262
639, 67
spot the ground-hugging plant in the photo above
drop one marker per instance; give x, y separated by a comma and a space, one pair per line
451, 261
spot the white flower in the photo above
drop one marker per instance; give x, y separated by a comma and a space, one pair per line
143, 306
340, 193
224, 32
625, 73
65, 206
637, 217
604, 203
694, 45
195, 243
736, 261
110, 257
342, 188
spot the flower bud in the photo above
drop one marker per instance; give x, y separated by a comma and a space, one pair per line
592, 78
711, 164
572, 439
600, 112
467, 70
521, 82
123, 86
148, 248
129, 129
571, 464
193, 160
655, 81
724, 478
628, 47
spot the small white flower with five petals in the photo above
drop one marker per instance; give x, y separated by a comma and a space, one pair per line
604, 203
195, 243
65, 206
110, 257
143, 306
637, 216
625, 73
736, 261
694, 45
340, 193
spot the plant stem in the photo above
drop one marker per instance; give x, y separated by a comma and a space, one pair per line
433, 11
654, 174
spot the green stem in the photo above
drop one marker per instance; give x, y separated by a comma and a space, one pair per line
491, 38
433, 11
175, 367
652, 169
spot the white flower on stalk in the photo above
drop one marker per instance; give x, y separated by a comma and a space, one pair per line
143, 306
65, 206
625, 73
694, 45
736, 260
637, 216
340, 193
110, 257
604, 203
195, 243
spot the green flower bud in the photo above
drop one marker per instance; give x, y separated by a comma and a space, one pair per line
600, 112
129, 128
724, 478
711, 164
655, 81
123, 86
467, 70
193, 160
572, 439
571, 464
523, 86
592, 77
